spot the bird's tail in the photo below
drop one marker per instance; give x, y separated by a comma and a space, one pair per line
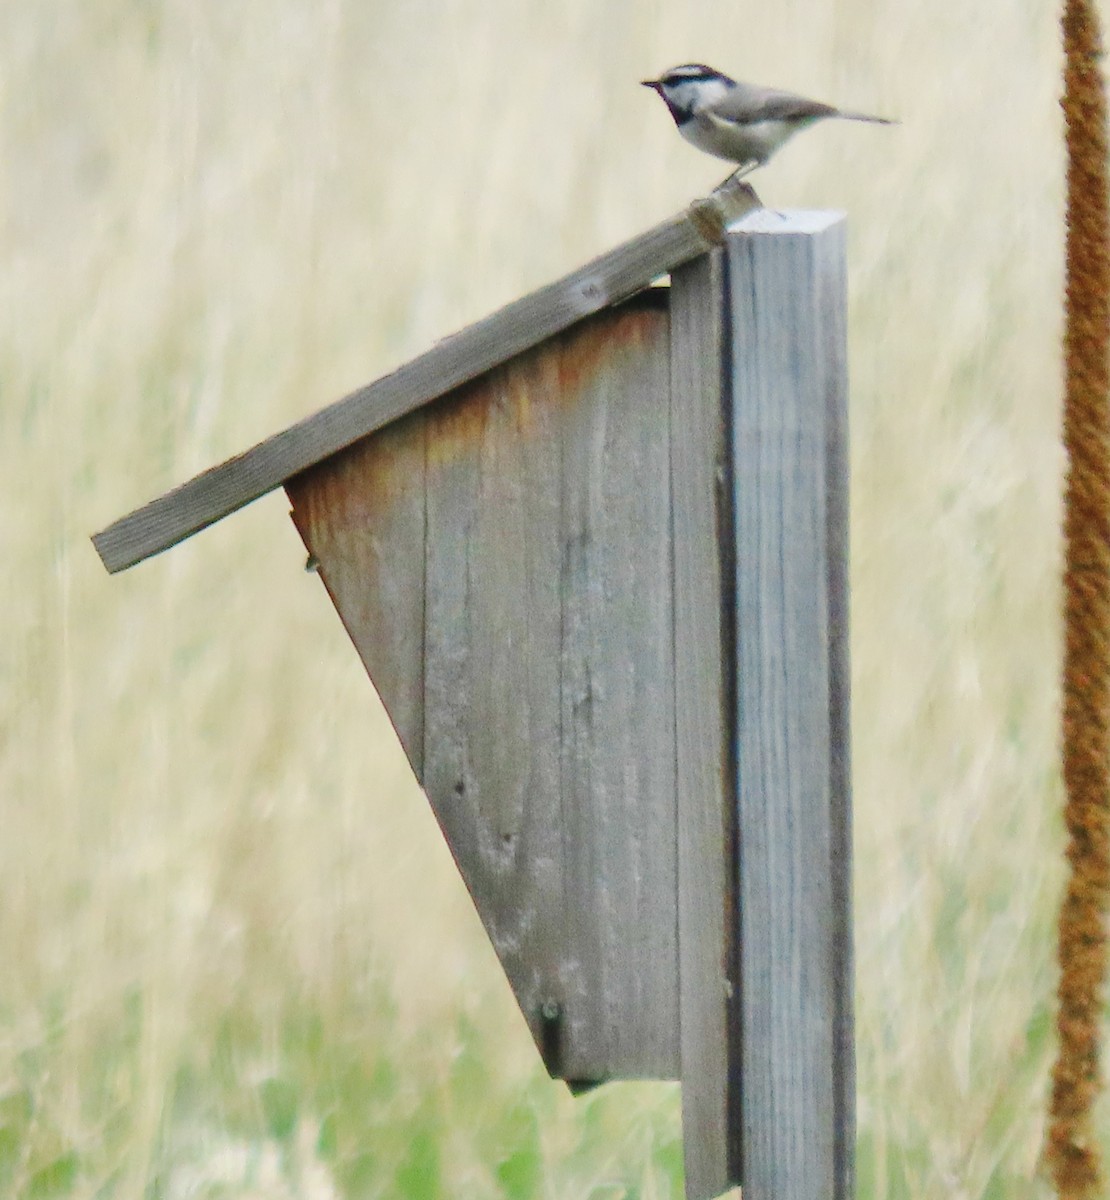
855, 116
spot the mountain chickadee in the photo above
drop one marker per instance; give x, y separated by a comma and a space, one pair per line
740, 122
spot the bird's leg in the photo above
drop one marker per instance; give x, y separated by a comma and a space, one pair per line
743, 169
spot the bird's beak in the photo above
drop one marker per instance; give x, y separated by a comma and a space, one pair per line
654, 84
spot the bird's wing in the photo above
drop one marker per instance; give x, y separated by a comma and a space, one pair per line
749, 105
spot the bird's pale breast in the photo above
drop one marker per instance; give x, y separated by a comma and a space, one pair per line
740, 143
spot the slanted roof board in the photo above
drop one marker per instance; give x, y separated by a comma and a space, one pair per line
518, 326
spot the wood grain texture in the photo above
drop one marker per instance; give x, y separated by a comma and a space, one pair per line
701, 508
832, 303
518, 326
361, 515
548, 699
618, 765
789, 396
492, 684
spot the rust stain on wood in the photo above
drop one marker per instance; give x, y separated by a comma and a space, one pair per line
559, 372
351, 488
361, 515
600, 348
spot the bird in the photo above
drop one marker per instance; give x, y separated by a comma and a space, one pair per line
740, 122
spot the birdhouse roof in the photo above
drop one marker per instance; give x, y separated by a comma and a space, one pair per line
520, 325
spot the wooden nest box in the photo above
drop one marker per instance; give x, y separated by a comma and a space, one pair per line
592, 552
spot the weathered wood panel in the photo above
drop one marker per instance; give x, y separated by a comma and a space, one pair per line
789, 396
702, 512
361, 514
549, 744
618, 764
492, 683
518, 326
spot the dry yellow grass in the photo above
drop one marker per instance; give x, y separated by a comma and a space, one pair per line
236, 958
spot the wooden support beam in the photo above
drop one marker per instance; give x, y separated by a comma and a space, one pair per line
788, 381
701, 508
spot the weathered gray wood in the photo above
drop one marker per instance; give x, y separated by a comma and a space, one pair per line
702, 514
492, 685
361, 514
789, 394
526, 322
549, 749
837, 476
618, 764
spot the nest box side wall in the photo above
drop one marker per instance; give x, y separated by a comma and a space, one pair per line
502, 562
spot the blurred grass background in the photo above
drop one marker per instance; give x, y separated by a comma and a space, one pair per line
236, 959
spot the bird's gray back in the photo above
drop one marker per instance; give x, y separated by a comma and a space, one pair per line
749, 104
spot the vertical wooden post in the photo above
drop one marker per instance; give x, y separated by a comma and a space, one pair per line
701, 507
786, 291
